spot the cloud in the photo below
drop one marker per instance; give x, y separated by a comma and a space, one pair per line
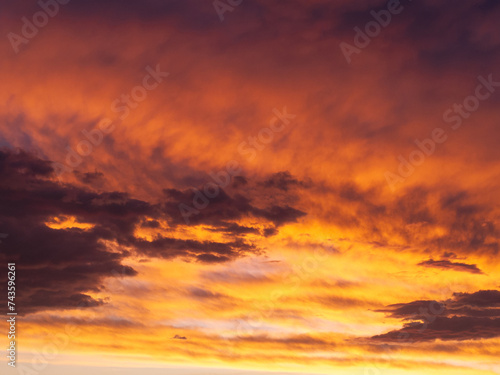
66, 239
89, 178
283, 181
177, 337
446, 264
432, 220
108, 321
483, 298
466, 316
236, 203
322, 175
453, 328
300, 341
343, 303
205, 251
204, 294
57, 267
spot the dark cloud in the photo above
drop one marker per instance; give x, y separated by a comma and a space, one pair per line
238, 181
177, 337
23, 164
413, 310
283, 181
205, 251
466, 316
191, 14
210, 258
467, 34
453, 328
233, 205
89, 178
279, 215
446, 264
483, 298
59, 266
204, 294
235, 229
271, 231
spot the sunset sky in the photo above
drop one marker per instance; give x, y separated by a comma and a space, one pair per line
251, 187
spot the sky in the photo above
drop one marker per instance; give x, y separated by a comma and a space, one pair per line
251, 187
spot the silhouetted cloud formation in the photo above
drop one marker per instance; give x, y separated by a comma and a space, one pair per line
466, 316
446, 264
59, 265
